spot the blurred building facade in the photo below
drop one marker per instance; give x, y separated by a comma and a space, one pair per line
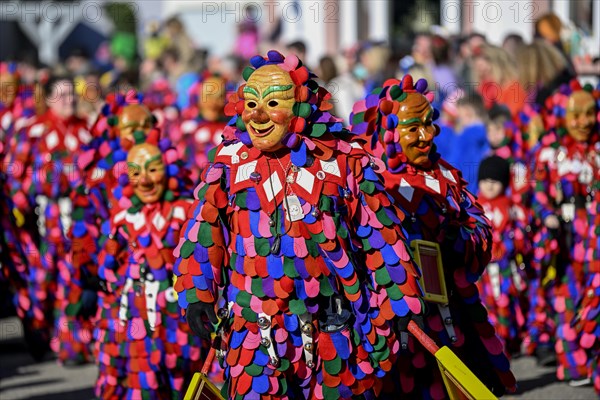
326, 26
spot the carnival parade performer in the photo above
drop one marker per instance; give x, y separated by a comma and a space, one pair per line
587, 323
144, 348
291, 221
204, 123
566, 166
91, 200
18, 246
43, 156
503, 285
396, 124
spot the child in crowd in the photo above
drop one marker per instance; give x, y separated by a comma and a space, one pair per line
504, 283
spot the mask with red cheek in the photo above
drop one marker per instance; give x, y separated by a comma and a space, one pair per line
147, 172
416, 130
268, 107
580, 117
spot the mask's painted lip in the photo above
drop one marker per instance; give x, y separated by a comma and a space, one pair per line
261, 132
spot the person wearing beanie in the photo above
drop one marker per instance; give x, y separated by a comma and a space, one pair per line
503, 285
506, 140
396, 125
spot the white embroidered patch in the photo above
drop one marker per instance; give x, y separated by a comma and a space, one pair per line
37, 130
277, 187
159, 221
6, 121
179, 213
202, 135
547, 154
305, 179
231, 150
244, 171
218, 137
189, 126
331, 167
406, 190
52, 140
432, 183
138, 220
447, 174
71, 142
119, 216
84, 136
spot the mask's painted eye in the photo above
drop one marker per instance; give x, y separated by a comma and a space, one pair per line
273, 103
251, 104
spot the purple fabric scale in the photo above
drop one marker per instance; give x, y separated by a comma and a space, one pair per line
301, 268
268, 287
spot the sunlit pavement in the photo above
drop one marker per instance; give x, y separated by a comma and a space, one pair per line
22, 378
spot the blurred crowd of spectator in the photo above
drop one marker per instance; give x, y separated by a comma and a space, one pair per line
467, 73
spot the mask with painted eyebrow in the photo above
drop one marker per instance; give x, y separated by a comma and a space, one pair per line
147, 173
267, 116
415, 130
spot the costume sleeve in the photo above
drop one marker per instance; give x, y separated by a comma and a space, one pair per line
20, 174
388, 259
88, 209
202, 250
113, 255
521, 222
543, 191
474, 236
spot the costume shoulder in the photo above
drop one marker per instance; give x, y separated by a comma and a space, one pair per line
452, 174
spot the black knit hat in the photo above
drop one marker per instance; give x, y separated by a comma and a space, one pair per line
495, 168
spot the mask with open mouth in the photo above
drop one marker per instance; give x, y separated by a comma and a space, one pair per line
269, 100
416, 129
581, 115
397, 121
146, 171
280, 106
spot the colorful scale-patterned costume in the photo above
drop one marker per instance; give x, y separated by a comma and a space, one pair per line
503, 285
298, 321
92, 200
45, 171
564, 174
16, 243
514, 149
588, 324
441, 210
144, 348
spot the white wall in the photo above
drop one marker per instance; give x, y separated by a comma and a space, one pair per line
496, 19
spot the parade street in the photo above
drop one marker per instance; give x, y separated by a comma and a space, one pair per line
21, 378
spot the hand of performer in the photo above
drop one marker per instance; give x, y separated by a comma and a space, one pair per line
94, 283
402, 322
551, 222
201, 317
89, 303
